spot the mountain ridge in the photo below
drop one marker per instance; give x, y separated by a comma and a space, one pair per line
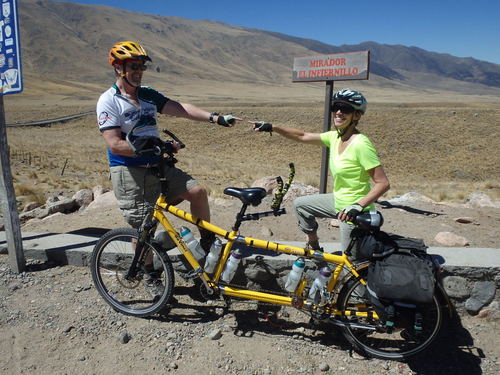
69, 42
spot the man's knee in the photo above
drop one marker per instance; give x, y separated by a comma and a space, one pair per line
196, 193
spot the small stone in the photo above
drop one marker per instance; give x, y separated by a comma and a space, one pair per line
125, 337
323, 366
215, 334
464, 220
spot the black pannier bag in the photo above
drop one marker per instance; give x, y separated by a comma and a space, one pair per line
376, 244
405, 278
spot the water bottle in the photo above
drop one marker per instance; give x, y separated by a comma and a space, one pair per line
320, 283
192, 243
213, 256
231, 266
295, 275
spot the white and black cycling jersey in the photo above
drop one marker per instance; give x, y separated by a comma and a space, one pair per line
114, 110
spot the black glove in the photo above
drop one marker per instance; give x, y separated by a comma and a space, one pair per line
147, 145
169, 147
353, 210
226, 120
263, 126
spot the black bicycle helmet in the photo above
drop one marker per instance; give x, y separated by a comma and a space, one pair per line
351, 97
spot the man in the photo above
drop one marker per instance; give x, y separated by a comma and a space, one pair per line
359, 178
127, 106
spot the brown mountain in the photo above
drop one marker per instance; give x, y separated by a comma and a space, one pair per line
64, 45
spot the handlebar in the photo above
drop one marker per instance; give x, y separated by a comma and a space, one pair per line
174, 137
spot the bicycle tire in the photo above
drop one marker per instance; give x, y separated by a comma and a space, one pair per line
111, 260
399, 344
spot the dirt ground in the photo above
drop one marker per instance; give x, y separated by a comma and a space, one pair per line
52, 320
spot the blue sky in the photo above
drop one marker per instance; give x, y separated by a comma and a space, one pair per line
458, 27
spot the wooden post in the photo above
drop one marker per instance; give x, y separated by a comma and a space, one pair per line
8, 200
327, 125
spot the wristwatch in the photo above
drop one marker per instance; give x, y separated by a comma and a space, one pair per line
211, 118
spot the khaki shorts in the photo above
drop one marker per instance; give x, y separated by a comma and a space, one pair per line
137, 188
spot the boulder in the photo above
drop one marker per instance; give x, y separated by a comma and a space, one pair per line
478, 200
451, 239
105, 200
268, 183
83, 197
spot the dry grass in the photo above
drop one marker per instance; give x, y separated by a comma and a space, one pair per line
444, 151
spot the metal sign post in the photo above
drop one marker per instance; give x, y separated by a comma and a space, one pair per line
11, 83
330, 68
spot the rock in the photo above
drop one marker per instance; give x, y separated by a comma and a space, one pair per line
83, 197
456, 287
37, 213
298, 189
323, 366
410, 197
267, 183
215, 334
482, 294
65, 205
478, 200
491, 312
124, 337
31, 206
464, 220
451, 239
105, 200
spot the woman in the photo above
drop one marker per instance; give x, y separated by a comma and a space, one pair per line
359, 179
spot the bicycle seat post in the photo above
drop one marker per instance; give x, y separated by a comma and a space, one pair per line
239, 217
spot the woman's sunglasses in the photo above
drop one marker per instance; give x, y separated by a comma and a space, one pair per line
135, 66
344, 108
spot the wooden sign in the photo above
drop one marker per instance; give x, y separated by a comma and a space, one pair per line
337, 67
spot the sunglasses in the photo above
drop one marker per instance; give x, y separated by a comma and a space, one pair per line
344, 108
135, 66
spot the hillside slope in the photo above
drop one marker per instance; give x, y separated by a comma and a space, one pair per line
66, 44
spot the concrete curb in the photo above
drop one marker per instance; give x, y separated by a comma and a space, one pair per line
76, 248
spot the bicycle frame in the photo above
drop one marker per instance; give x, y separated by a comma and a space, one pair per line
233, 237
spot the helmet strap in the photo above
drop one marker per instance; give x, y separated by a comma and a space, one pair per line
346, 130
123, 75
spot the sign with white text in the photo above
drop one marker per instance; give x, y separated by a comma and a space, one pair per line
337, 67
10, 49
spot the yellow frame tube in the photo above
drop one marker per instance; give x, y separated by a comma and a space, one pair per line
340, 260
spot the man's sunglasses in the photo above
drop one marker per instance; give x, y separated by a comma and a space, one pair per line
135, 66
344, 108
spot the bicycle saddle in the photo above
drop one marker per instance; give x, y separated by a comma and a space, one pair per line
370, 220
251, 195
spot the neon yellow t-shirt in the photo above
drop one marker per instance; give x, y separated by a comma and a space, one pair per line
351, 181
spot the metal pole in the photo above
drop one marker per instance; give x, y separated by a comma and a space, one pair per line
8, 200
327, 125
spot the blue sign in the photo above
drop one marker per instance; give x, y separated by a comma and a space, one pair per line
10, 49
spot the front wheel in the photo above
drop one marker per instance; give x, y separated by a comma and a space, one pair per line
394, 343
142, 291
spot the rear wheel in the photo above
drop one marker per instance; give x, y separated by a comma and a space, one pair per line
398, 342
151, 286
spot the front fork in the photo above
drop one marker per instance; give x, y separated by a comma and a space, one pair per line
145, 233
